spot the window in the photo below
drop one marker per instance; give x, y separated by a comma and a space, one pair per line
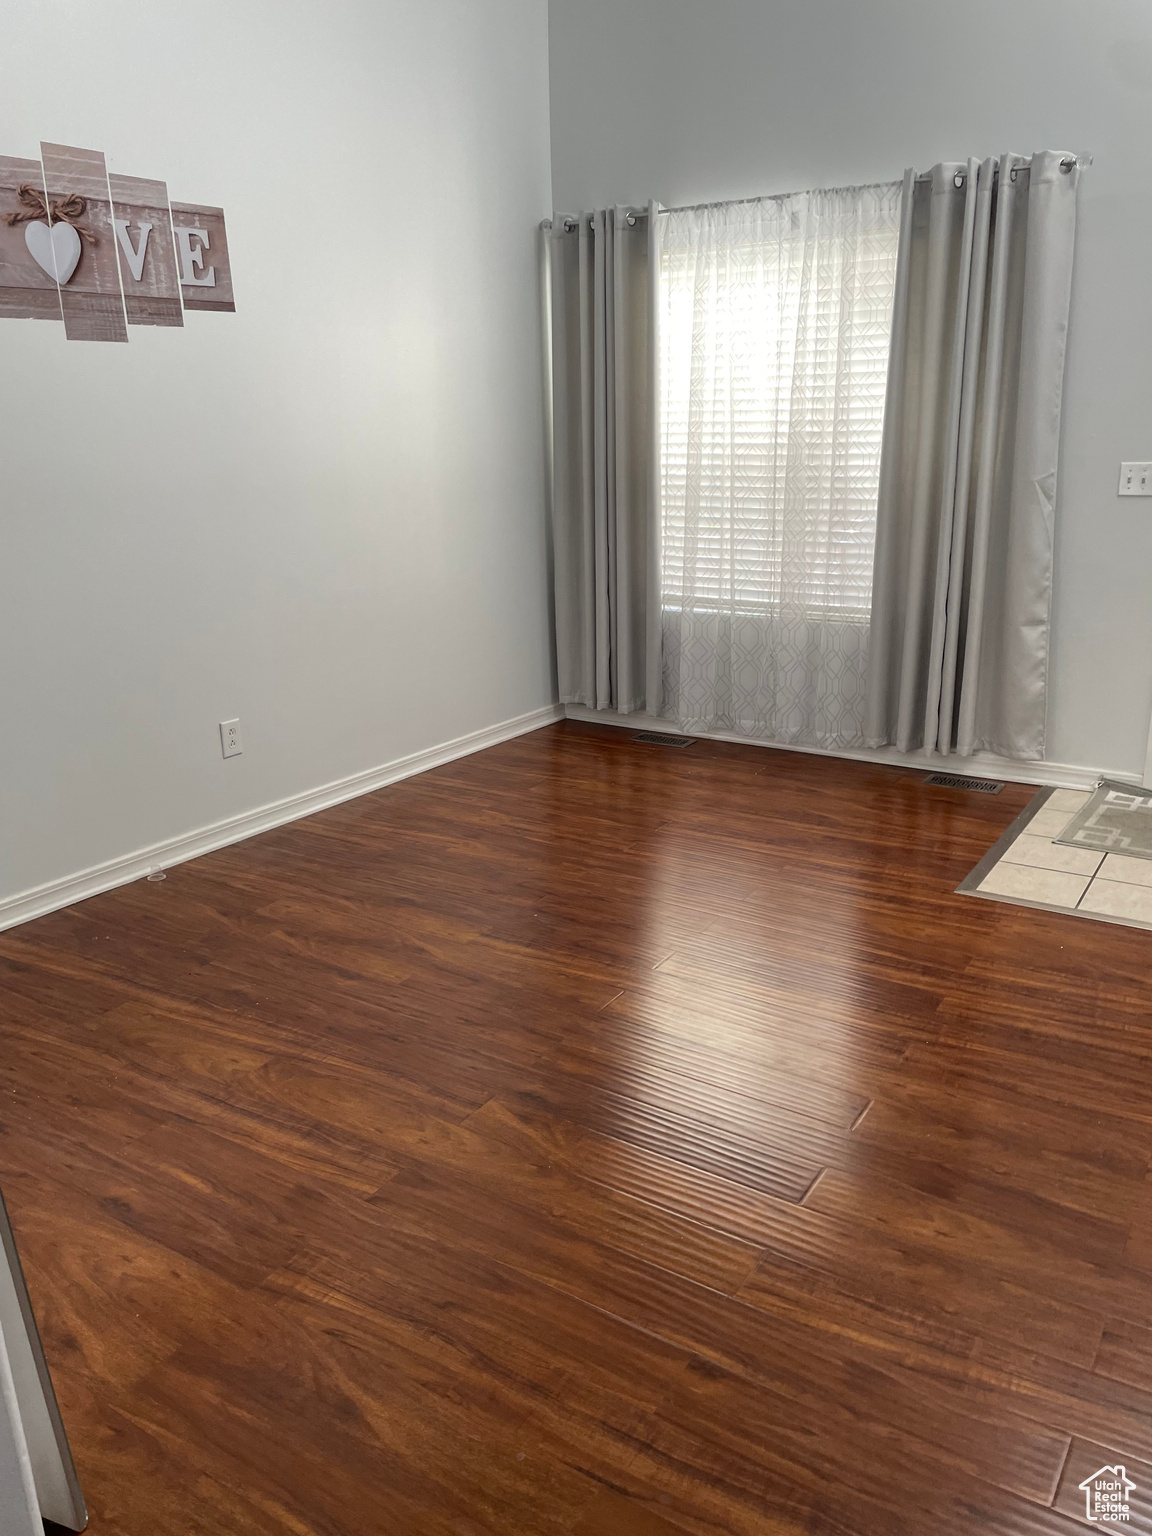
775, 318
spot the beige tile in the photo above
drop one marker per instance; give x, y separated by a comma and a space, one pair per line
1070, 800
1050, 886
1043, 853
1112, 899
1049, 821
1118, 866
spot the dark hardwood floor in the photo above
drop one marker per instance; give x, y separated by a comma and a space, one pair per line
593, 1138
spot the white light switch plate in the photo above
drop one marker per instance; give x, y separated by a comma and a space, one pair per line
1135, 480
230, 738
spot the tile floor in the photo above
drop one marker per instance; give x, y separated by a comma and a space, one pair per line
1028, 868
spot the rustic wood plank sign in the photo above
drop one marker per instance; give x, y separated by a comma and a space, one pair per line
102, 252
27, 291
80, 215
202, 248
37, 1476
147, 253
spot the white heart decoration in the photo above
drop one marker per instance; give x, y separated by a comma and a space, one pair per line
56, 249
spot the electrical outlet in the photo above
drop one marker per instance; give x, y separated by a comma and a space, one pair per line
230, 738
1135, 480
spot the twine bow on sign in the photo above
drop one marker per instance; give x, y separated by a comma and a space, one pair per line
65, 210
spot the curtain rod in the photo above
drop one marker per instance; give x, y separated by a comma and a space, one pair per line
769, 197
1066, 165
633, 214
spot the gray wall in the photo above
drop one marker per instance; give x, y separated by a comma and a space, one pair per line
323, 514
690, 100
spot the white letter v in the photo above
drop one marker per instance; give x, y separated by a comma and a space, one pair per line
134, 258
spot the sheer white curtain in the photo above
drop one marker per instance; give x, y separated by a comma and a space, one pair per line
774, 322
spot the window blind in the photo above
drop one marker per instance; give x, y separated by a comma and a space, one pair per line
775, 322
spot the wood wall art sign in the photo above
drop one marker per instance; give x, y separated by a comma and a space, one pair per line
102, 252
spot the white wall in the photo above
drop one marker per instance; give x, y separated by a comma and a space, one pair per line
692, 100
323, 514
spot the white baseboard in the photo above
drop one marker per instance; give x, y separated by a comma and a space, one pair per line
979, 765
177, 850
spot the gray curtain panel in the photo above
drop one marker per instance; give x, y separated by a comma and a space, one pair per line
958, 649
605, 524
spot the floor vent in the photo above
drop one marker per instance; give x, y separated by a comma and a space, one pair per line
961, 781
663, 739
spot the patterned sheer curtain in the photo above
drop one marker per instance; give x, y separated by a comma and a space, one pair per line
774, 318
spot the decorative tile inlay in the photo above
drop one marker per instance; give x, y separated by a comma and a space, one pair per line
1029, 868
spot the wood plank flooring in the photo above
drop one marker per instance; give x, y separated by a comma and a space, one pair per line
594, 1139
